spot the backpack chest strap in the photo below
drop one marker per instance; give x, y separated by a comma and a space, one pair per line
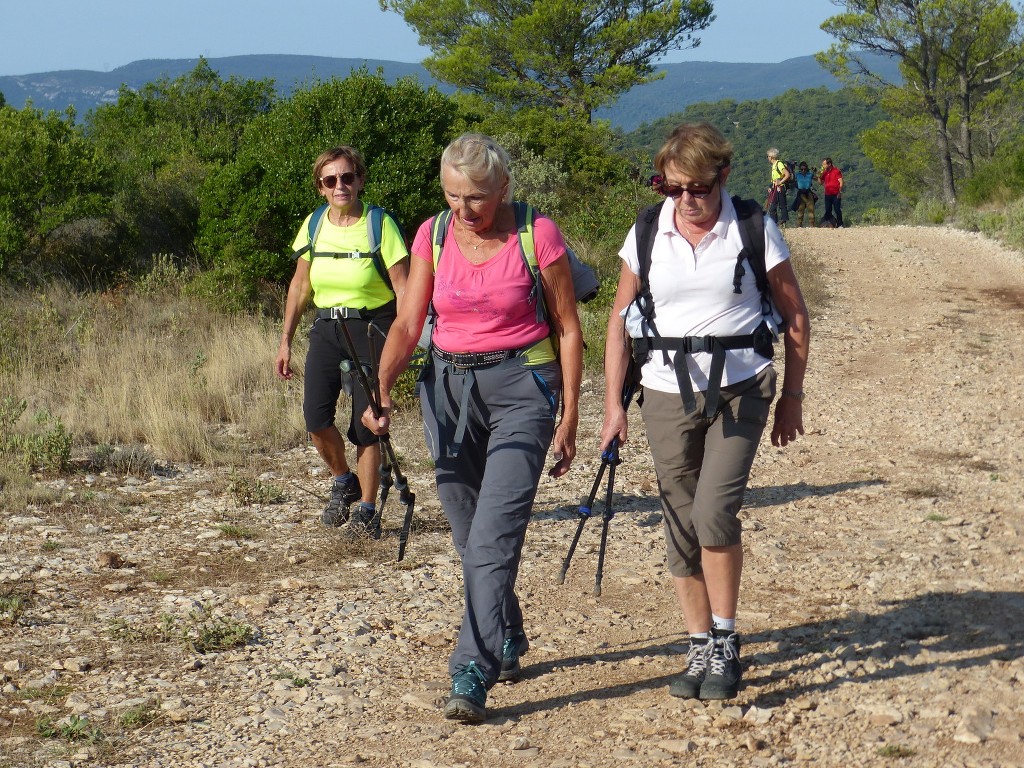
716, 346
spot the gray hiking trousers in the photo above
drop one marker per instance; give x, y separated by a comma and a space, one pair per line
487, 490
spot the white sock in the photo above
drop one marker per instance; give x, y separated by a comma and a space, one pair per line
728, 625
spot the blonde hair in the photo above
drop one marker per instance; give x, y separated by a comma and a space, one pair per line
348, 153
482, 160
695, 149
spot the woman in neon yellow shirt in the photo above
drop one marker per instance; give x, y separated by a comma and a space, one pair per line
350, 282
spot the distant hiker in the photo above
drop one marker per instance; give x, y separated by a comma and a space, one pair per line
777, 207
353, 281
832, 184
700, 325
506, 343
805, 197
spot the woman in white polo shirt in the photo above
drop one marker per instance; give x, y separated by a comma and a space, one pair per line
704, 411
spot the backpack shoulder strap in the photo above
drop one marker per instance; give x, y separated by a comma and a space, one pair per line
374, 236
646, 229
316, 221
751, 221
438, 232
525, 214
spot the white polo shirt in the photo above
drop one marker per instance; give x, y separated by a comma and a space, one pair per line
693, 295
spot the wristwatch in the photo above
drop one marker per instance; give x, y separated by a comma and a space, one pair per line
795, 395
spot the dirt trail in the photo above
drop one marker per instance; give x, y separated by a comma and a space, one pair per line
882, 611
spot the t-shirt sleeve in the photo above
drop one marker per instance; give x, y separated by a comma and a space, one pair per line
302, 238
775, 249
392, 246
628, 251
547, 241
422, 247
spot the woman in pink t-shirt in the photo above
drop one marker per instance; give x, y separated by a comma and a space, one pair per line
490, 394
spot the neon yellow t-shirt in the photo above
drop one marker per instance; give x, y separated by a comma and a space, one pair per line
778, 170
346, 282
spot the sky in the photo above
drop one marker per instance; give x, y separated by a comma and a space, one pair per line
105, 34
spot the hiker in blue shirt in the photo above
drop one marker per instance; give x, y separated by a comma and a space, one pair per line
805, 197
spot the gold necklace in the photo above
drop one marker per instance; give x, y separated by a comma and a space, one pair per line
480, 240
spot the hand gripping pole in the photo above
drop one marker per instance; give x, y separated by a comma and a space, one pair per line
405, 496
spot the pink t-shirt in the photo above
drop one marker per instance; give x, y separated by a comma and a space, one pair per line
486, 307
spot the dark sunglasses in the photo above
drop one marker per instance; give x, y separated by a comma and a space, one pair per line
348, 179
696, 191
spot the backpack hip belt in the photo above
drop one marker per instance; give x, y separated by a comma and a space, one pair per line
353, 313
760, 341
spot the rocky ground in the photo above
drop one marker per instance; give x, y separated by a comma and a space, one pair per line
882, 610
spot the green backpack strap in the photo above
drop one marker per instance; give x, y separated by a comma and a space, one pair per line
438, 232
528, 250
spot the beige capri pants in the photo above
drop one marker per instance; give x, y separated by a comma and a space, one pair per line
703, 464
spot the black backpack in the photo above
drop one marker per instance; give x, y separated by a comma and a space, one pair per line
751, 222
791, 167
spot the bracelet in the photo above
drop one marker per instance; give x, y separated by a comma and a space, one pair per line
795, 395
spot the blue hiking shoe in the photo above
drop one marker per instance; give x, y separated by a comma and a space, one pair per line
343, 495
469, 694
516, 644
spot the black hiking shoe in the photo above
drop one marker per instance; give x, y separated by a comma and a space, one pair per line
364, 523
724, 673
469, 694
687, 685
343, 494
515, 645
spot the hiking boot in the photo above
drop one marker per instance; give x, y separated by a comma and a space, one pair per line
343, 494
687, 685
723, 675
515, 645
364, 523
468, 696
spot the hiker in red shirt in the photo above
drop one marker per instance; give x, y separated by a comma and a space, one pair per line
832, 182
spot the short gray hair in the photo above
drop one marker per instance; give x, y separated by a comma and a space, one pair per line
480, 159
773, 153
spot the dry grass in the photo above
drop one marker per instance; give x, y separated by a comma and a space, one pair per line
163, 371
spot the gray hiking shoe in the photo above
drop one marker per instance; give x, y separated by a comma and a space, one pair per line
364, 523
724, 673
688, 684
516, 644
469, 694
343, 494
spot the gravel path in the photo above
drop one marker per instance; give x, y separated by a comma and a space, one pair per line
882, 610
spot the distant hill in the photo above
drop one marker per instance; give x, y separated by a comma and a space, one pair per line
683, 84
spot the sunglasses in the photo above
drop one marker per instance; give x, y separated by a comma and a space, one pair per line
348, 179
696, 191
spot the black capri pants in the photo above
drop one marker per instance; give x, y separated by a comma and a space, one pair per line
324, 377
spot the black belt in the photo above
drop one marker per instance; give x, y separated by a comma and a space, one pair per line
341, 313
474, 359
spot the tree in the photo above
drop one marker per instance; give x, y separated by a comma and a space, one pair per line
254, 205
165, 139
54, 199
570, 55
952, 54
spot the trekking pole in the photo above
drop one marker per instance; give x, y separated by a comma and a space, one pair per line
613, 462
405, 496
586, 510
386, 481
609, 458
